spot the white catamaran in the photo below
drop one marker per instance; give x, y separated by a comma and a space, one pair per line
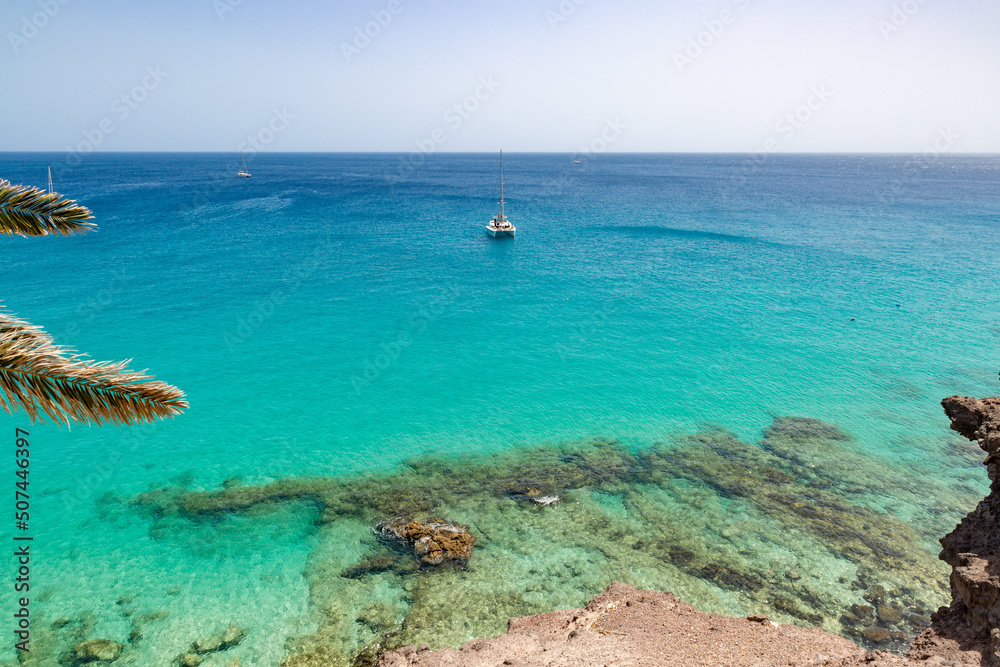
500, 225
243, 173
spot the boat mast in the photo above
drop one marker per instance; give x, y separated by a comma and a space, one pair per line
501, 186
51, 189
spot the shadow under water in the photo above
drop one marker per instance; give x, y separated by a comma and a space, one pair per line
794, 526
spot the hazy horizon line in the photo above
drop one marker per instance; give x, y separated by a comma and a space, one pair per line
589, 154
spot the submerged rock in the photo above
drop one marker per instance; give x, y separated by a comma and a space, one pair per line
368, 566
802, 429
96, 650
378, 616
220, 641
877, 635
153, 616
434, 542
711, 514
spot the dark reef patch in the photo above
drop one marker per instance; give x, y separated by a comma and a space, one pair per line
791, 527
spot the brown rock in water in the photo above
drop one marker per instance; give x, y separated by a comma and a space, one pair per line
220, 641
889, 614
876, 635
96, 650
370, 566
434, 542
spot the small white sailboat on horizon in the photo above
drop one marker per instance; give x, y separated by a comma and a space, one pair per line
500, 225
243, 173
51, 189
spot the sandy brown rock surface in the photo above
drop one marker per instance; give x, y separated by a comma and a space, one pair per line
627, 626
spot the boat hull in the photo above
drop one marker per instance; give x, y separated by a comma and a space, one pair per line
500, 232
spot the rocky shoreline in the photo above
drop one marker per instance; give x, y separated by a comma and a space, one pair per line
627, 626
779, 527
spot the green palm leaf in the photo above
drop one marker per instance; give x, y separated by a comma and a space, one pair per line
37, 377
28, 211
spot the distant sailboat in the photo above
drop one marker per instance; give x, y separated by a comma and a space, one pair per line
500, 225
51, 189
243, 173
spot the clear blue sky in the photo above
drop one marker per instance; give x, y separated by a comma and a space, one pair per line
877, 78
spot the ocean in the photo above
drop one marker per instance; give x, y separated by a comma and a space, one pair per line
729, 368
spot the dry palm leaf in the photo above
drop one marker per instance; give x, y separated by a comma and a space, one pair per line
38, 376
28, 211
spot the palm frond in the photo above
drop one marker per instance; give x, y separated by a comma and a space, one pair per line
29, 211
38, 377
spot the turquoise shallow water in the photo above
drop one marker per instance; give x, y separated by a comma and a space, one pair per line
333, 317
